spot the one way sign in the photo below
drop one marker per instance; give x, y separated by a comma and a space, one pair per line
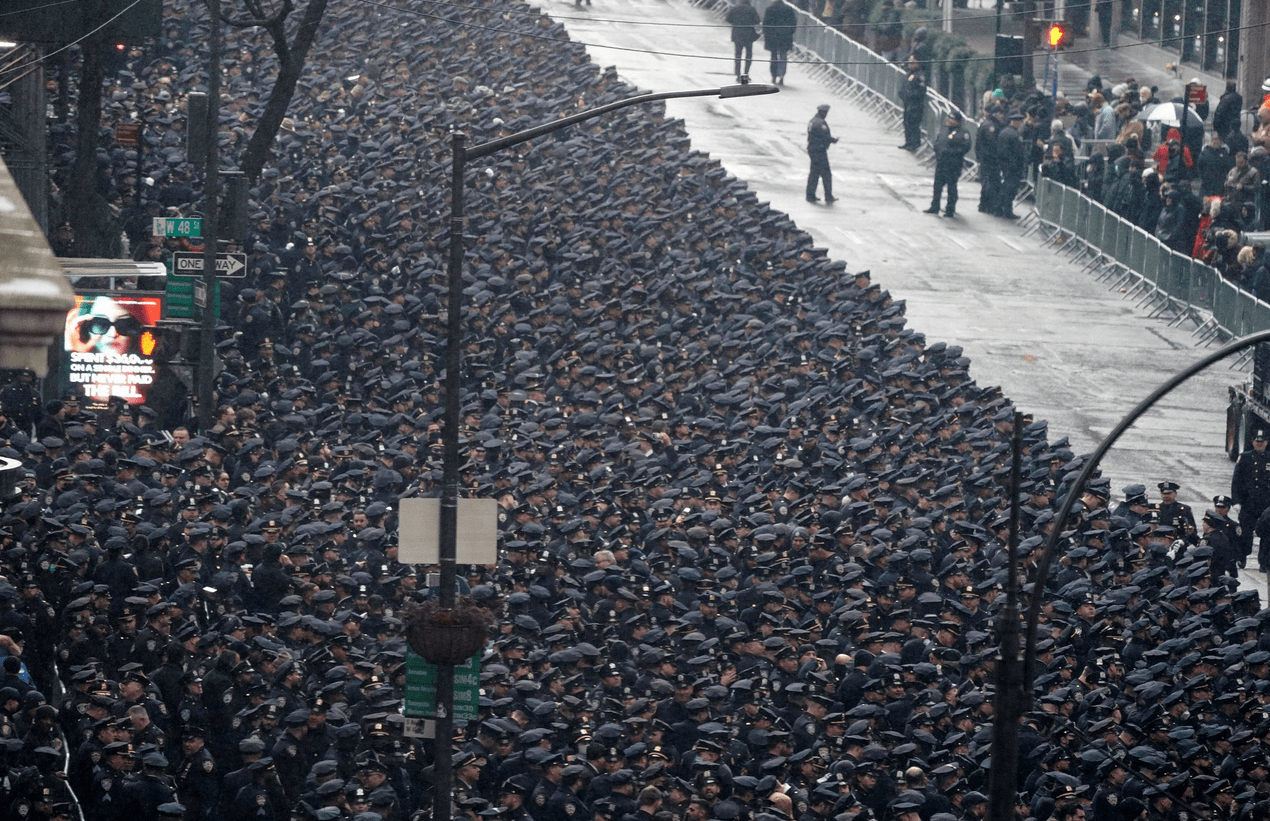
227, 265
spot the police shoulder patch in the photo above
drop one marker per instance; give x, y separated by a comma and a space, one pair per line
95, 755
208, 765
227, 697
1113, 799
570, 809
540, 799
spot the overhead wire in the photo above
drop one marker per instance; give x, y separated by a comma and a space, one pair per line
27, 68
29, 9
729, 58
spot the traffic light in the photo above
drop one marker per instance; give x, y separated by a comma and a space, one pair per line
1056, 35
116, 58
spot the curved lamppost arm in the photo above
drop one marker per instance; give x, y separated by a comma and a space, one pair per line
1051, 544
1015, 687
448, 525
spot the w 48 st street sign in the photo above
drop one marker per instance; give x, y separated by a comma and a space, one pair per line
227, 265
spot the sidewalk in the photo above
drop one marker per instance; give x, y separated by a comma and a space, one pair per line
1085, 57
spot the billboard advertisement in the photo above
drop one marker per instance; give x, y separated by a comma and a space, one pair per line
110, 344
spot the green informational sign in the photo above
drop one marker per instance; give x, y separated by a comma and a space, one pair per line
421, 688
186, 299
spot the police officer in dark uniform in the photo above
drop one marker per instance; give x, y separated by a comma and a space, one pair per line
197, 776
512, 795
989, 159
1013, 158
1222, 506
819, 138
565, 805
914, 97
1175, 514
143, 795
1250, 489
950, 153
105, 794
1107, 799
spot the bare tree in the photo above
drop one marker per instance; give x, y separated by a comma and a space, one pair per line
95, 229
292, 53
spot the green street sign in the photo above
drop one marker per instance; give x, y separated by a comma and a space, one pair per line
421, 688
177, 227
184, 300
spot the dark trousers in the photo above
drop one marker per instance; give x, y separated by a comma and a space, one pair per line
819, 171
737, 51
1010, 182
1247, 524
780, 59
913, 126
989, 184
945, 177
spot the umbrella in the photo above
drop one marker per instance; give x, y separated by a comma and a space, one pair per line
1170, 114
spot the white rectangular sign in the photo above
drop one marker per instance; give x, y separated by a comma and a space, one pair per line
419, 531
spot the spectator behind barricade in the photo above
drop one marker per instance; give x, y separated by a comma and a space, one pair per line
1242, 183
1167, 156
1173, 228
1213, 165
1058, 166
1082, 127
1152, 201
1105, 125
1125, 196
1211, 206
1259, 158
1132, 134
1220, 249
1254, 275
1229, 109
1094, 172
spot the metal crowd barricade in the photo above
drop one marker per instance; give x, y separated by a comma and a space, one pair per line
1031, 222
1117, 249
873, 83
1135, 263
1067, 219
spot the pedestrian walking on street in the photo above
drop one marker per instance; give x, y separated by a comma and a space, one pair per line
745, 22
951, 147
779, 22
819, 138
914, 105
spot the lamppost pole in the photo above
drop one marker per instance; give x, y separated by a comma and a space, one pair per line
1005, 731
1011, 698
448, 543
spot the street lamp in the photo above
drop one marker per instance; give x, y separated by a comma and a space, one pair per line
1016, 681
447, 548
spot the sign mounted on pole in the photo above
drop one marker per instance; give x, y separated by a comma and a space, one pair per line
227, 265
421, 688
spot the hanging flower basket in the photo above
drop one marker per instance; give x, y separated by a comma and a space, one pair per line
447, 636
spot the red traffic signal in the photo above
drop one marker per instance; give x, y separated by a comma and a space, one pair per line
1056, 36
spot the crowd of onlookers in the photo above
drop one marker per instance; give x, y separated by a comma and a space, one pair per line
751, 525
1199, 188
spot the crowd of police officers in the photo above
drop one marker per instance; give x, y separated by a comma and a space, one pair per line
752, 525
